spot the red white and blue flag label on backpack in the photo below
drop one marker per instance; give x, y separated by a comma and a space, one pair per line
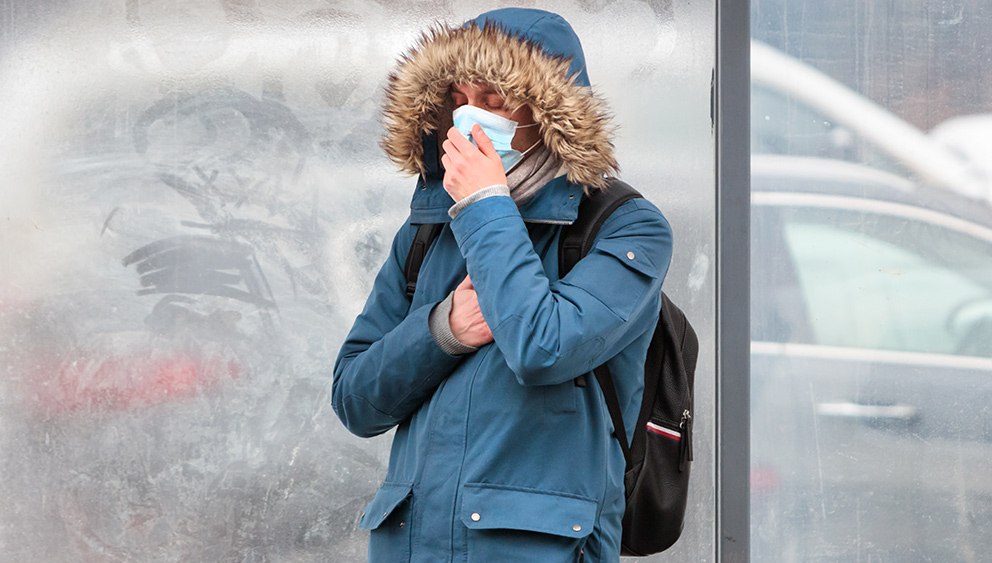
667, 432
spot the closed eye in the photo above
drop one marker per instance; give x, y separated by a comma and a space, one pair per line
495, 102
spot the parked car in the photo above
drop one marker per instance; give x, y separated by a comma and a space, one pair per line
871, 366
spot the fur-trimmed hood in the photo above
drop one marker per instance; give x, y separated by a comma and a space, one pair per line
531, 57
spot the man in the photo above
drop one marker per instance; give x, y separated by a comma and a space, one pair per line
499, 455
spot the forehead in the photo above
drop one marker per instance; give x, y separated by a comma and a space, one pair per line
479, 89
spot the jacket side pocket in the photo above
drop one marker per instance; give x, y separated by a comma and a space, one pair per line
387, 518
509, 524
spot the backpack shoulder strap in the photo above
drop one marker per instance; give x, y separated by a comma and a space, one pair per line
575, 242
613, 405
576, 239
422, 241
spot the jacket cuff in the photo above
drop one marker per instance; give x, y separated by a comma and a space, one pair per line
440, 327
494, 190
481, 215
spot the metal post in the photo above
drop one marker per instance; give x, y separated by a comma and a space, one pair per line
732, 116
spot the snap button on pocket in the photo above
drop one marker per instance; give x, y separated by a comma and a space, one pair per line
630, 255
476, 517
577, 528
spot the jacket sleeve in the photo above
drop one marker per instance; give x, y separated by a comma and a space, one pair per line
551, 332
389, 363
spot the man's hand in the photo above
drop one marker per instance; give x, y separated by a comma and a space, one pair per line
467, 168
465, 318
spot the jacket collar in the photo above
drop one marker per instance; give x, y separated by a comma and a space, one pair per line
557, 202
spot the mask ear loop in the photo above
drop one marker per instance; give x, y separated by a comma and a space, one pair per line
524, 154
530, 148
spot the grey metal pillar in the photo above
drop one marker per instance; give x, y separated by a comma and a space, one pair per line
732, 116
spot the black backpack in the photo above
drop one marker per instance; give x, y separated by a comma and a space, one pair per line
657, 473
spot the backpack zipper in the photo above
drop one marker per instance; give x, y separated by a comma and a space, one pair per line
685, 445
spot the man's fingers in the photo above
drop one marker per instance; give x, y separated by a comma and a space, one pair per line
461, 144
485, 145
448, 146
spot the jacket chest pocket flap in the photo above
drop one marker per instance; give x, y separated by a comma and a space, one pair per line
488, 507
605, 288
390, 496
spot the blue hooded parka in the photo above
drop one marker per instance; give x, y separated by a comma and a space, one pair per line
498, 455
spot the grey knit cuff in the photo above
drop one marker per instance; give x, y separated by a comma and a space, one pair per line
494, 190
440, 328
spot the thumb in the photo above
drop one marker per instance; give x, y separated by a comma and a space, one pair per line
466, 284
483, 142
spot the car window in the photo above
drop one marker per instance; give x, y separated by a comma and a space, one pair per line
891, 283
784, 125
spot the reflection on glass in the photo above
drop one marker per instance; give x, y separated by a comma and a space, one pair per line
871, 286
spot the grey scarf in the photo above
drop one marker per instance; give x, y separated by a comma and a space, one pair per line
534, 171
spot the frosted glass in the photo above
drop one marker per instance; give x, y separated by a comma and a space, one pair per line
194, 208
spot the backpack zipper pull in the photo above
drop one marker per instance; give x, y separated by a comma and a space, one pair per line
686, 443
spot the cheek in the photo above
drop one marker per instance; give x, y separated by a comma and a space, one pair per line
523, 115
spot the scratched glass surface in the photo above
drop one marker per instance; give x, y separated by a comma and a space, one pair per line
194, 208
871, 281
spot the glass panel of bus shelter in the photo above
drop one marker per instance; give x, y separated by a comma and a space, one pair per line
871, 281
194, 209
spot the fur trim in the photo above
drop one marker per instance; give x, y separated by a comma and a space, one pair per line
574, 122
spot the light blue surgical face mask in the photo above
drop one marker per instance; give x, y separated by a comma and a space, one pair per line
500, 131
